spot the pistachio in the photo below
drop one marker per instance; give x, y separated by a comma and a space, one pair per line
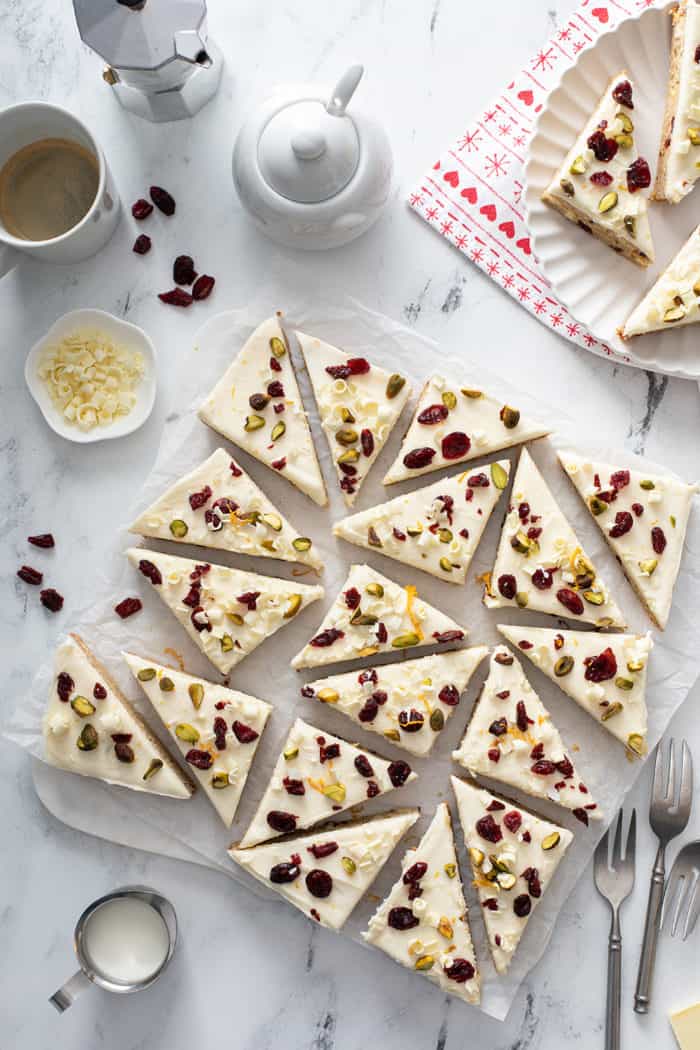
696, 288
82, 706
568, 187
499, 863
594, 597
278, 431
360, 619
346, 415
635, 742
293, 606
672, 519
630, 225
624, 683
235, 618
178, 528
88, 739
675, 312
414, 530
647, 484
153, 766
625, 121
611, 710
220, 780
372, 537
445, 564
226, 643
624, 141
608, 201
196, 692
395, 385
347, 436
273, 521
289, 753
184, 731
444, 928
301, 544
551, 841
521, 599
335, 792
635, 665
498, 476
404, 641
506, 880
277, 346
449, 400
349, 865
328, 696
375, 589
368, 650
450, 870
563, 666
437, 720
351, 455
146, 674
424, 962
510, 417
254, 422
268, 545
471, 393
166, 684
694, 136
522, 543
392, 734
476, 856
578, 166
648, 566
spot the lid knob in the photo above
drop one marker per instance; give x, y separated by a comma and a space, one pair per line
309, 143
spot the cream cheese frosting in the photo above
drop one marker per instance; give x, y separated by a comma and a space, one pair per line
511, 738
606, 675
358, 405
325, 873
372, 614
90, 728
437, 528
218, 505
514, 856
217, 730
541, 564
644, 517
316, 776
674, 298
683, 151
408, 703
453, 423
257, 405
423, 923
226, 612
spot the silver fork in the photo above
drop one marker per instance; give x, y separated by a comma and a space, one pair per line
614, 879
668, 816
683, 891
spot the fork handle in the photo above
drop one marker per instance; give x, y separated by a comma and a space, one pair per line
612, 1009
642, 995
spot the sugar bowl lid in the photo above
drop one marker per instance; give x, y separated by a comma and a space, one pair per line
309, 151
143, 34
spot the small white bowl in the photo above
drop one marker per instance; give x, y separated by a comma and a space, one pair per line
122, 332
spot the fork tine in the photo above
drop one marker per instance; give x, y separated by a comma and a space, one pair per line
679, 904
670, 895
685, 795
670, 792
693, 908
658, 788
631, 845
617, 844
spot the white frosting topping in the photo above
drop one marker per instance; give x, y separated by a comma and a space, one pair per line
394, 620
683, 157
436, 528
674, 299
189, 707
237, 628
362, 850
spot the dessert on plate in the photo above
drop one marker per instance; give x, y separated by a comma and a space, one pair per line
372, 614
679, 154
226, 612
218, 505
324, 873
453, 423
600, 182
605, 675
257, 405
511, 737
436, 528
358, 405
674, 299
216, 729
514, 856
644, 517
317, 776
91, 728
423, 923
541, 564
407, 702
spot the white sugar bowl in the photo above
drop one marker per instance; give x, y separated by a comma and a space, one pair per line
310, 174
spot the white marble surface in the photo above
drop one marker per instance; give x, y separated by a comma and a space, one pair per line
247, 976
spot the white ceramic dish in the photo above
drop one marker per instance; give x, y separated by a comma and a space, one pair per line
599, 287
129, 335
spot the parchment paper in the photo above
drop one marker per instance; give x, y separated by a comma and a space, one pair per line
126, 816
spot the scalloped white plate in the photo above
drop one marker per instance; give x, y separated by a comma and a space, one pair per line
597, 286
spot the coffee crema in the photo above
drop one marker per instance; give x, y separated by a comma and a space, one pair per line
46, 188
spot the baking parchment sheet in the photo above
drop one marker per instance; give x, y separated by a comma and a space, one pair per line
192, 826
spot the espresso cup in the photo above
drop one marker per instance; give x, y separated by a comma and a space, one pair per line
29, 122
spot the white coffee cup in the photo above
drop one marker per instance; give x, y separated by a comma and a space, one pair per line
30, 122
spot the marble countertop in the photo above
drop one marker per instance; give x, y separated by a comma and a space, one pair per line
251, 977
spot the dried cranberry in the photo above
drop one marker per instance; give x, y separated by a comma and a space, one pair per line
543, 579
499, 727
326, 638
293, 787
199, 759
198, 499
141, 209
142, 245
64, 686
328, 752
367, 442
124, 751
522, 721
30, 575
537, 751
202, 287
249, 599
367, 676
200, 620
220, 728
522, 905
402, 919
433, 414
323, 849
150, 571
603, 148
507, 586
162, 200
319, 883
354, 366
411, 721
372, 789
45, 540
352, 598
491, 904
565, 767
415, 873
601, 668
532, 878
183, 270
279, 464
638, 175
622, 93
418, 458
275, 366
658, 539
275, 388
244, 734
176, 297
601, 178
455, 445
53, 601
495, 806
459, 970
308, 691
398, 535
399, 772
99, 691
192, 598
281, 822
478, 481
382, 634
638, 509
525, 645
489, 829
619, 479
697, 53
623, 523
543, 768
449, 694
445, 637
363, 766
368, 712
581, 815
127, 607
570, 600
284, 872
512, 820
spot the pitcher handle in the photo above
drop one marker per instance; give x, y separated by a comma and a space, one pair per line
9, 257
69, 992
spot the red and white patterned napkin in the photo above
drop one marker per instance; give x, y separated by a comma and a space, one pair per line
472, 194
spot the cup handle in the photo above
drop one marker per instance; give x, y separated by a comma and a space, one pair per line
9, 257
69, 992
